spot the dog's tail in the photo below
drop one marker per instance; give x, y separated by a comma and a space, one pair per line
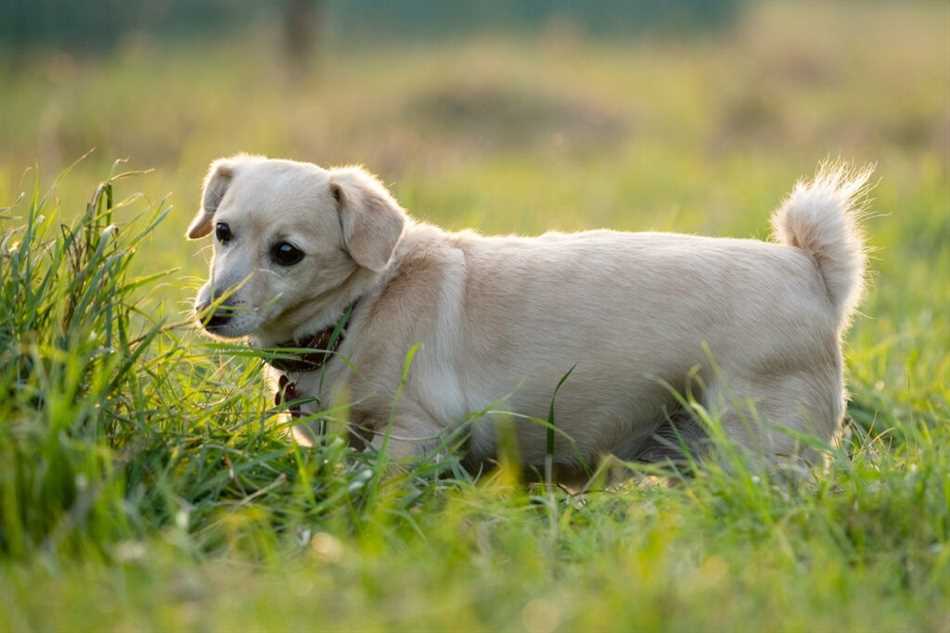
821, 217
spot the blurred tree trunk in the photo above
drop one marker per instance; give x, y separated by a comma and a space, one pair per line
302, 24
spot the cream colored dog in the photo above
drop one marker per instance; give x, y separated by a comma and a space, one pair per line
752, 329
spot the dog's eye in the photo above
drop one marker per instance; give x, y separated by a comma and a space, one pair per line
285, 254
223, 232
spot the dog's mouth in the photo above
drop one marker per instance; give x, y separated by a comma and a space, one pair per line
223, 321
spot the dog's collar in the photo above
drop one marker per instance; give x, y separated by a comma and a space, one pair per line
322, 346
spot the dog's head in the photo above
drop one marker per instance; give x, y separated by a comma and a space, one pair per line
286, 236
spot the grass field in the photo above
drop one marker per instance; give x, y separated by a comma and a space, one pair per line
144, 485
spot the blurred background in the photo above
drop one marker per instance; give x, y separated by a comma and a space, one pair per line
520, 116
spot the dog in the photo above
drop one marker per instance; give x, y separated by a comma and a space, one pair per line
410, 332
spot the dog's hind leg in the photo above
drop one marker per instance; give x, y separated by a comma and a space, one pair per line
780, 416
679, 439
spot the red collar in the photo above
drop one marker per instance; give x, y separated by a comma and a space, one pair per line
321, 347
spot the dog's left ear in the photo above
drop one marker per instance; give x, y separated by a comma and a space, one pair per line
371, 219
216, 184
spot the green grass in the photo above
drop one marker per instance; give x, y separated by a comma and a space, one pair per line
145, 485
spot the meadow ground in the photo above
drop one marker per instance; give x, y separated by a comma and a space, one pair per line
145, 486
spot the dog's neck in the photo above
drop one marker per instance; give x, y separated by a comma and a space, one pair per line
317, 348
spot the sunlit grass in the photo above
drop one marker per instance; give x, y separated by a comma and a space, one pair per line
145, 483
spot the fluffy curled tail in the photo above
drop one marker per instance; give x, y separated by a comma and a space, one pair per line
821, 217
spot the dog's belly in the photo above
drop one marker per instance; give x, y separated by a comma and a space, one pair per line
611, 402
615, 421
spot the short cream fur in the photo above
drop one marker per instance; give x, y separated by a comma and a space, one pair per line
753, 328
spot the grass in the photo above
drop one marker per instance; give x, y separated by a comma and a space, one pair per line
144, 484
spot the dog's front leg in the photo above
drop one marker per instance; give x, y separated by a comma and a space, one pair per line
408, 435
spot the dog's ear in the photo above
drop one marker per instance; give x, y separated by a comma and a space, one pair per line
371, 219
216, 184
